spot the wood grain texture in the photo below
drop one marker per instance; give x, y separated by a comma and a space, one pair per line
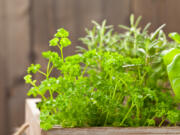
116, 12
65, 15
150, 12
84, 13
3, 93
32, 117
115, 131
158, 12
17, 59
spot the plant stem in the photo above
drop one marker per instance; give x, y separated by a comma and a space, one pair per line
101, 38
61, 49
115, 89
50, 71
42, 73
51, 94
106, 119
162, 121
48, 67
130, 109
84, 71
137, 114
62, 53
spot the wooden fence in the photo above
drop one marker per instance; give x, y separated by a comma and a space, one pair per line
27, 25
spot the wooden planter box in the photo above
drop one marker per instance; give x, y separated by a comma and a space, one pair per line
32, 117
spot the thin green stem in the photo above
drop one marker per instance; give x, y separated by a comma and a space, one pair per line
62, 53
42, 95
137, 114
106, 119
49, 62
50, 71
61, 50
84, 71
115, 89
135, 44
51, 94
125, 117
162, 121
101, 39
42, 73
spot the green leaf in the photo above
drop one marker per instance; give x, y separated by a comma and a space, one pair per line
33, 91
132, 20
154, 35
33, 68
169, 55
28, 78
53, 57
65, 42
47, 54
137, 21
151, 122
54, 42
124, 27
173, 70
175, 36
62, 33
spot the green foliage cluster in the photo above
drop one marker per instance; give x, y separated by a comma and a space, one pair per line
118, 79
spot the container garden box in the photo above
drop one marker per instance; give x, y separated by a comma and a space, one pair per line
32, 118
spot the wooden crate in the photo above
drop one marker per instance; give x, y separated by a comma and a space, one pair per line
32, 117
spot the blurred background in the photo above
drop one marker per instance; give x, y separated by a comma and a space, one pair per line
26, 26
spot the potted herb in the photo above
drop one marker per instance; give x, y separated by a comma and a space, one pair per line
117, 80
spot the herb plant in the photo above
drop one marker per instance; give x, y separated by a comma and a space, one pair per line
118, 79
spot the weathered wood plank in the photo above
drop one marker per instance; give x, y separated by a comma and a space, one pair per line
17, 59
39, 29
150, 12
85, 12
116, 12
32, 117
3, 100
65, 15
158, 12
114, 131
170, 15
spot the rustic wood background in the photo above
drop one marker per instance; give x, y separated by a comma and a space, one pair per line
27, 25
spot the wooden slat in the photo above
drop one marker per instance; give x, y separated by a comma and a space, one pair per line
32, 117
158, 12
3, 100
114, 131
150, 12
171, 15
85, 12
39, 29
64, 14
17, 59
32, 114
116, 12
